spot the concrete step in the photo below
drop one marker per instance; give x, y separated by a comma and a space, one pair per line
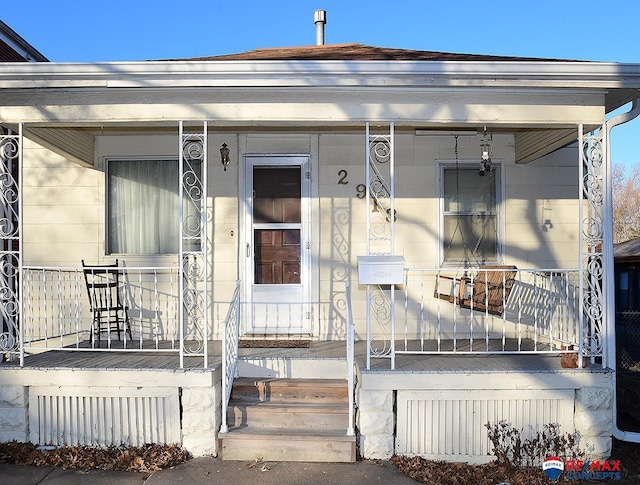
289, 390
291, 415
272, 444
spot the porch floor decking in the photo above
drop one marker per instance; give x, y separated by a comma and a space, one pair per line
332, 350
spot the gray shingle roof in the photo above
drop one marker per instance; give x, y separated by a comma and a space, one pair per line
627, 250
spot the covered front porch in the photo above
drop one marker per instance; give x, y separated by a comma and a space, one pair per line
167, 371
550, 296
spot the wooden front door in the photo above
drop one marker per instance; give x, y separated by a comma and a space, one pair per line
277, 220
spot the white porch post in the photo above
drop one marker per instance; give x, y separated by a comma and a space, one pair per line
380, 220
11, 331
593, 187
194, 330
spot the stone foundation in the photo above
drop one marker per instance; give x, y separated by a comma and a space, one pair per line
14, 414
376, 423
593, 419
201, 419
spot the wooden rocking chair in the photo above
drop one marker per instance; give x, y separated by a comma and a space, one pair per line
109, 314
488, 291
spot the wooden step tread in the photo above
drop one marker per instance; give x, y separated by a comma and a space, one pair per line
283, 406
289, 390
288, 433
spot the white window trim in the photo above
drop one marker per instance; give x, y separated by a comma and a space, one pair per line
500, 210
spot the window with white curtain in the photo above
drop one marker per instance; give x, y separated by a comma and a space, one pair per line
470, 217
143, 210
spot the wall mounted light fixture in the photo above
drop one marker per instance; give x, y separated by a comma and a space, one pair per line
485, 152
224, 156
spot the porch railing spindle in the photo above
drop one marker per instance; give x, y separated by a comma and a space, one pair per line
422, 320
350, 361
140, 313
77, 305
406, 312
61, 313
504, 314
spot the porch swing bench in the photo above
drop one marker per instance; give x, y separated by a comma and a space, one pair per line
487, 291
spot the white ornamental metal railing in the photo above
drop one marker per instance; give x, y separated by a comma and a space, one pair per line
230, 339
57, 310
499, 310
492, 310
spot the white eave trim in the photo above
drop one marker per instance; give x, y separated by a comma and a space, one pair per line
153, 74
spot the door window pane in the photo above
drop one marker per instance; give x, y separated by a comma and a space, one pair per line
276, 195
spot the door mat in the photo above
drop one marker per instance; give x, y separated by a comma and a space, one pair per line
274, 344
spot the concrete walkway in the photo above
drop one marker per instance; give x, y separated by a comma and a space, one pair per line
211, 470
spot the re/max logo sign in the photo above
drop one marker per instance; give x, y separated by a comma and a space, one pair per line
592, 470
596, 466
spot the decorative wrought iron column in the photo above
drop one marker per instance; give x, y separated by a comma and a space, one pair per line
380, 196
592, 217
11, 331
194, 330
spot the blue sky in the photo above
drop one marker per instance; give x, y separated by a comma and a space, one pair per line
128, 30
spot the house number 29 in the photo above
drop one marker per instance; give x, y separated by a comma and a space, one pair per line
361, 189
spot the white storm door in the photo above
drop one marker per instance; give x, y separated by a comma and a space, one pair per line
277, 245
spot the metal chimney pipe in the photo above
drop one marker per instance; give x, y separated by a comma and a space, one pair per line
320, 19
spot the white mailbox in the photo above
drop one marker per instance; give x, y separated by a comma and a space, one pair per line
380, 270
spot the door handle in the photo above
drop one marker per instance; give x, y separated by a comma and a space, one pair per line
248, 250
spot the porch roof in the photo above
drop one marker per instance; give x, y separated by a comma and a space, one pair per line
339, 65
541, 100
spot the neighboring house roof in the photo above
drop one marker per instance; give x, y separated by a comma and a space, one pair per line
354, 52
14, 48
627, 250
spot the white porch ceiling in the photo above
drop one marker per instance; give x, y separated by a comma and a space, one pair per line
78, 145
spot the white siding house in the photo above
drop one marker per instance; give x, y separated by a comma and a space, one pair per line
488, 177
